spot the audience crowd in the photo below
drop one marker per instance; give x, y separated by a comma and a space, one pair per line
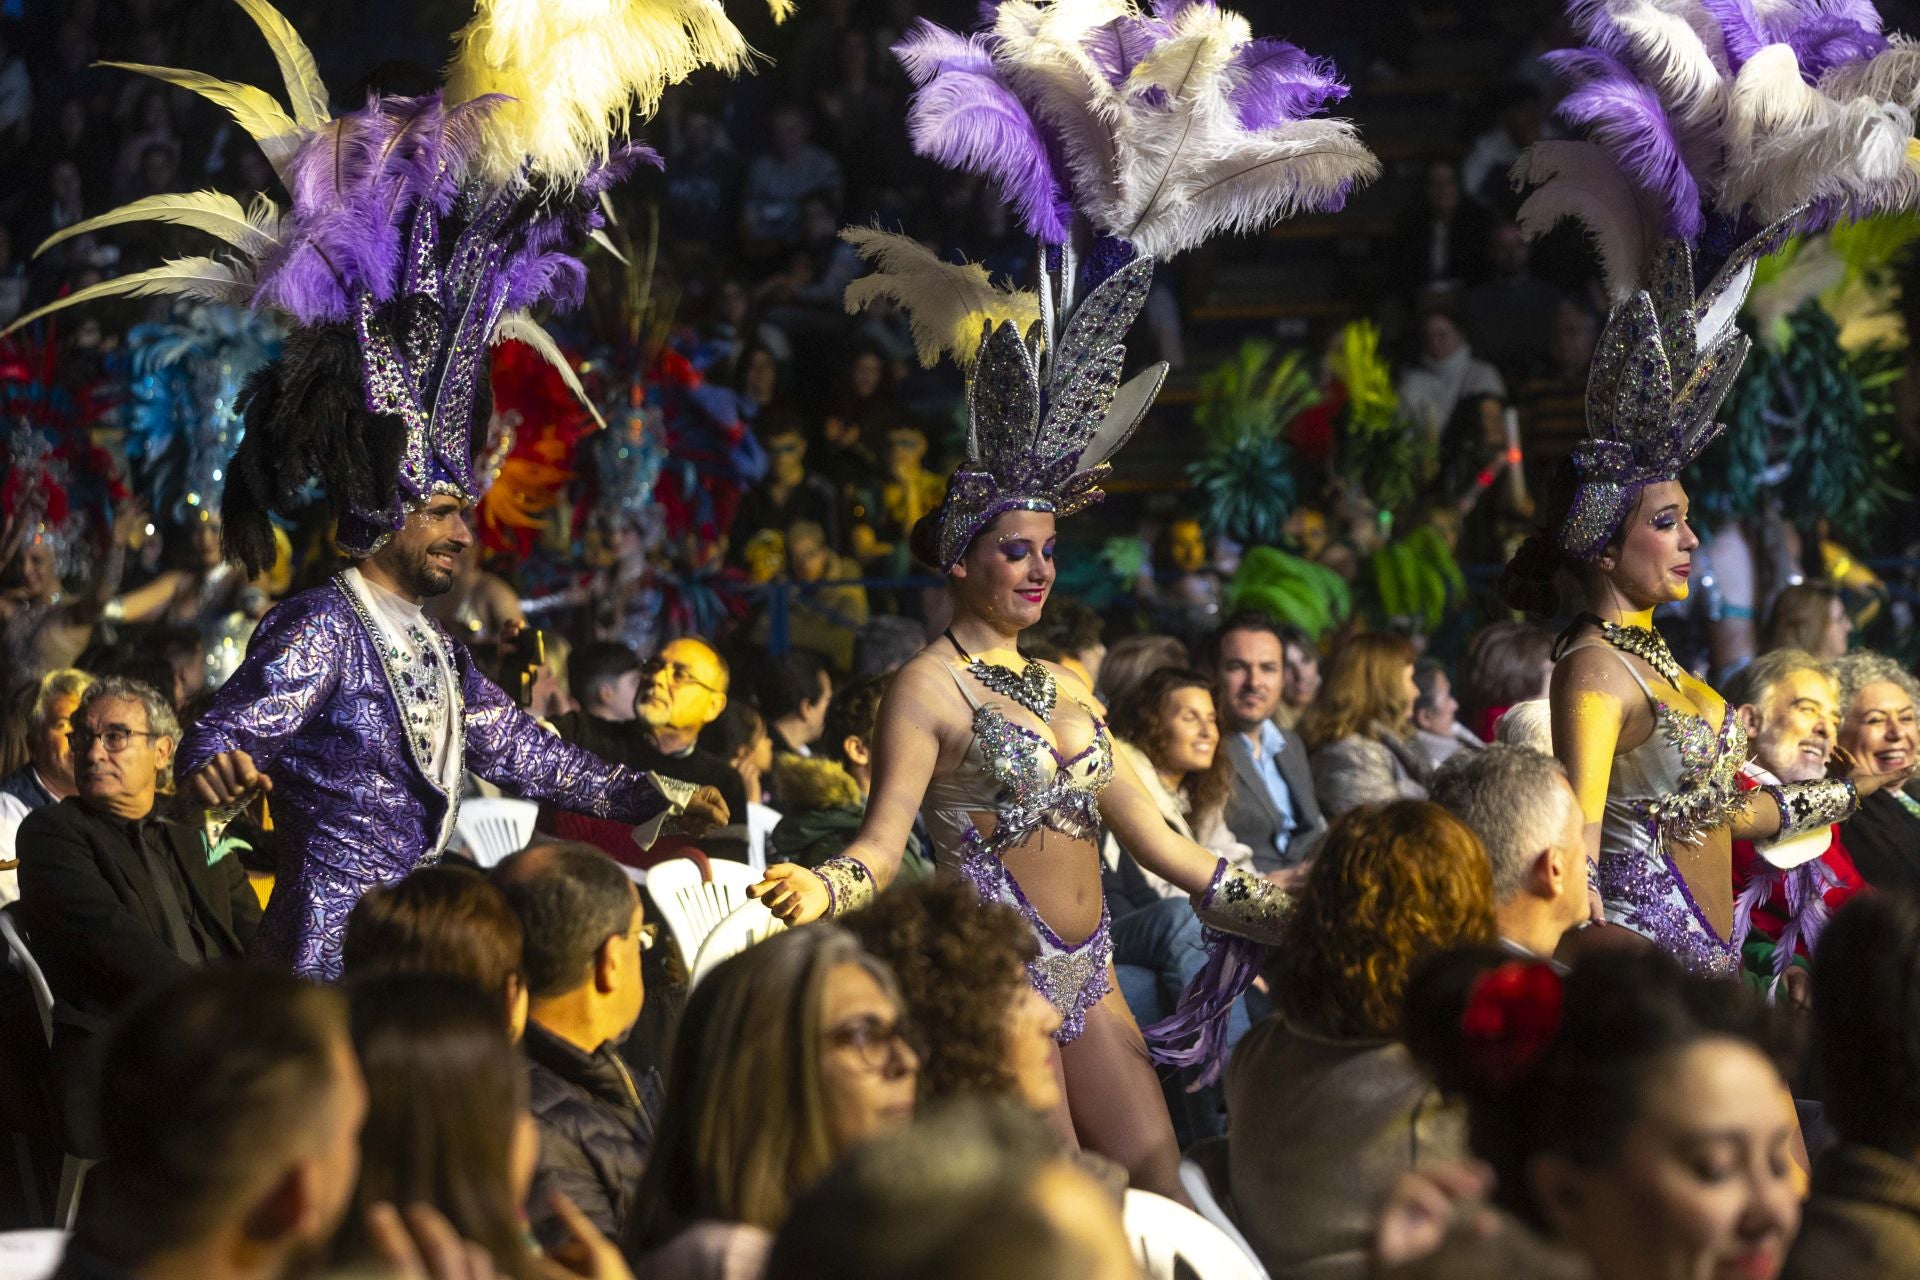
1450, 1067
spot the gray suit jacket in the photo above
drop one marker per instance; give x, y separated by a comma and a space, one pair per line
1252, 816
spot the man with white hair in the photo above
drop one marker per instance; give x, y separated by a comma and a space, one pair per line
1519, 803
1785, 890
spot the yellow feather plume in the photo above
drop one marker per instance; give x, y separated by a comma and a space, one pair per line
254, 110
207, 279
579, 70
305, 90
949, 307
253, 230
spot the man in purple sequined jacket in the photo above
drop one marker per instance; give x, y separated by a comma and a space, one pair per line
360, 716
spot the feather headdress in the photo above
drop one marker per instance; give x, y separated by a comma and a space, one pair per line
1714, 129
420, 231
1117, 135
59, 488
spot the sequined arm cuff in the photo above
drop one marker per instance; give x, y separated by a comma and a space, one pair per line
849, 885
1239, 902
1805, 806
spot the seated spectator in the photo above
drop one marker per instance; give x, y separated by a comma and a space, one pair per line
1509, 317
447, 1121
604, 680
1521, 806
1326, 1108
683, 689
1359, 731
789, 1056
794, 691
1436, 724
1629, 1092
1515, 127
904, 491
739, 736
1879, 728
828, 613
230, 1121
1273, 808
116, 897
1862, 1219
1810, 616
585, 933
825, 795
1440, 240
1132, 659
1505, 663
1786, 890
1299, 676
962, 969
1553, 402
442, 919
884, 645
1069, 634
1527, 724
975, 1193
1446, 376
702, 182
791, 492
779, 179
47, 776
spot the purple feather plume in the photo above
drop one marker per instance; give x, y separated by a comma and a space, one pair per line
962, 116
1274, 81
1625, 118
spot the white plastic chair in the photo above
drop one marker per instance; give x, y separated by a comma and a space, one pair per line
30, 1255
491, 829
1165, 1233
693, 907
73, 1169
745, 925
1203, 1175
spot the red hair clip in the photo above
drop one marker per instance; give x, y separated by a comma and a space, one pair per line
1511, 1018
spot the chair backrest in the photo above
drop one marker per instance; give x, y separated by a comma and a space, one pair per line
23, 959
493, 828
694, 906
745, 925
1203, 1176
31, 1255
1165, 1233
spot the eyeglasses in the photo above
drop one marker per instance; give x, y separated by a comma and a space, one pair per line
116, 738
874, 1040
677, 674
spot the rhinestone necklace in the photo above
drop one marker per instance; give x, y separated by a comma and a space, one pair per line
1643, 643
1033, 688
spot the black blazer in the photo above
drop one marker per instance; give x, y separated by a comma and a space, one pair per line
1250, 812
92, 922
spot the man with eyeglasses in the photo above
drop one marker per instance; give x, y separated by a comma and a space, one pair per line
115, 896
585, 932
361, 716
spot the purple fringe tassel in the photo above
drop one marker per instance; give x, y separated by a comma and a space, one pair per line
1196, 1034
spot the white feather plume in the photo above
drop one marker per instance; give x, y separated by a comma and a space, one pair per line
206, 279
254, 231
306, 92
1578, 180
1892, 76
949, 306
254, 110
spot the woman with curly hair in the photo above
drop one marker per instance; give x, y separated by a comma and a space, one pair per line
1167, 730
1326, 1107
961, 967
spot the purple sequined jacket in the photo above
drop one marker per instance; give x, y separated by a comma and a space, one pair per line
353, 807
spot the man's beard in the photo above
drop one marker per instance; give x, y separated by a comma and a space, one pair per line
424, 579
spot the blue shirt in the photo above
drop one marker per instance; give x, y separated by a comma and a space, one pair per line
1266, 764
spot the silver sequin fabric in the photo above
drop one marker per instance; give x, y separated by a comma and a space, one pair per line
353, 807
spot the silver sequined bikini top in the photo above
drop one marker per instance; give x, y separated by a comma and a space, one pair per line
1016, 774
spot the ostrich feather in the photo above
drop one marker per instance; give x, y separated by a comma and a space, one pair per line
306, 92
1891, 76
1039, 53
578, 71
518, 326
207, 279
964, 118
947, 305
1273, 81
1627, 120
254, 230
1578, 180
254, 110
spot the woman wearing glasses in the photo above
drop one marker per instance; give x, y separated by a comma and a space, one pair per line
761, 1102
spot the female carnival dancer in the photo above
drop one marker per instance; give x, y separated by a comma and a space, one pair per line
1715, 136
1009, 759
